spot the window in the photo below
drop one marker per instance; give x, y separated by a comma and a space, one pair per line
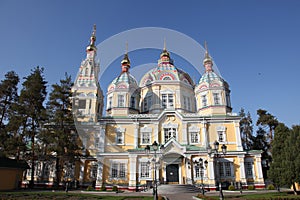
186, 103
119, 138
96, 142
146, 138
204, 100
197, 171
228, 100
216, 98
109, 102
121, 100
248, 168
145, 170
194, 137
147, 102
169, 133
118, 170
81, 104
93, 172
225, 169
221, 131
132, 102
167, 101
221, 136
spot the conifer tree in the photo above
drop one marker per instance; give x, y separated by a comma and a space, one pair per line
246, 129
8, 98
32, 110
266, 119
277, 168
61, 132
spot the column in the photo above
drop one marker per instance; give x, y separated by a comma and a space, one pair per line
242, 169
136, 135
102, 138
188, 167
238, 136
211, 172
132, 172
156, 133
259, 168
99, 179
184, 133
204, 135
81, 172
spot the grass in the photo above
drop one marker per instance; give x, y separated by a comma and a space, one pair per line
263, 196
63, 195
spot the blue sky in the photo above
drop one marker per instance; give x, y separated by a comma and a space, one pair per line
255, 44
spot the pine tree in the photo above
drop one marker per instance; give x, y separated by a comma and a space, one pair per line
32, 110
277, 168
8, 98
266, 119
246, 129
61, 132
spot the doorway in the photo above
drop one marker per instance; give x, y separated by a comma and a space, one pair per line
172, 173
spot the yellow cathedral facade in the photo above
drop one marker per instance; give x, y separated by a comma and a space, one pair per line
166, 107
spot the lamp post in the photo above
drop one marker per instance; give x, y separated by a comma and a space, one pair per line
155, 147
218, 155
201, 165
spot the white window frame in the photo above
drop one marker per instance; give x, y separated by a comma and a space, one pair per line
147, 102
204, 100
197, 137
187, 103
225, 168
121, 100
120, 134
194, 130
167, 100
249, 168
145, 171
221, 133
217, 98
109, 103
116, 166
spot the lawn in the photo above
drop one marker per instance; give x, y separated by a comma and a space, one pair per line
63, 195
262, 196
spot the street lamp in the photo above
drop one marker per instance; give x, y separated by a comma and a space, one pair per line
218, 155
155, 147
201, 166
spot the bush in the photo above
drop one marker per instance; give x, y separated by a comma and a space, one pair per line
271, 187
200, 196
251, 187
103, 188
231, 187
89, 188
115, 188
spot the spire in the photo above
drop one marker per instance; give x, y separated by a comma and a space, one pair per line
165, 55
125, 62
92, 46
207, 62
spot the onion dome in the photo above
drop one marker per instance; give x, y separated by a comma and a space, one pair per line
92, 46
209, 75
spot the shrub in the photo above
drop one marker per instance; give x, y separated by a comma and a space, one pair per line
103, 188
200, 196
271, 187
115, 188
231, 187
89, 188
251, 187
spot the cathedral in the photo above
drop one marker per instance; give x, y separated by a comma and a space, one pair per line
166, 127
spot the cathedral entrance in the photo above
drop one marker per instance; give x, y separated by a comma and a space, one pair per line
172, 174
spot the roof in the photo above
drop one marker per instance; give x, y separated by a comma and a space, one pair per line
12, 163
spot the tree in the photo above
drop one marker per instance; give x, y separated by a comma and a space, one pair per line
8, 99
246, 129
32, 110
266, 119
61, 132
277, 168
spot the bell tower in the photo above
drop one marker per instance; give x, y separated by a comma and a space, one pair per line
87, 94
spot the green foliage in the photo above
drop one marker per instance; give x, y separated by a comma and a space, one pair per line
251, 187
115, 188
231, 187
90, 188
271, 187
246, 129
103, 187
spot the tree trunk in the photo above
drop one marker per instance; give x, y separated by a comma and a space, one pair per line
294, 189
32, 163
57, 170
